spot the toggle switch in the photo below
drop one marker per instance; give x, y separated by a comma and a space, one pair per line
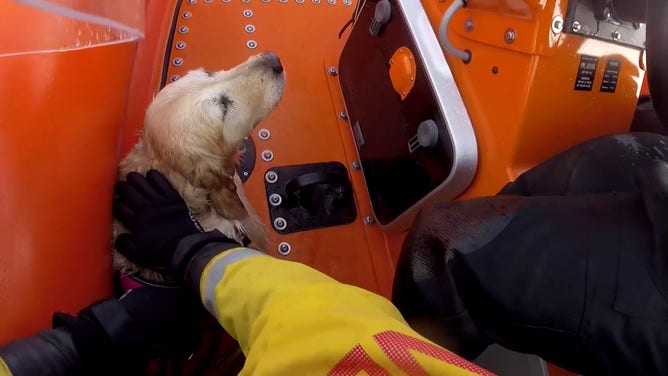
426, 137
381, 16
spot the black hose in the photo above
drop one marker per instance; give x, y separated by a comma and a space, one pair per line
657, 56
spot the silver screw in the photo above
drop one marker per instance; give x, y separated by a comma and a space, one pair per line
187, 14
275, 199
557, 24
284, 249
369, 220
264, 134
468, 25
271, 177
283, 1
226, 1
248, 13
246, 173
576, 26
265, 1
300, 1
208, 1
174, 78
246, 1
180, 45
332, 71
177, 62
331, 2
251, 44
316, 2
355, 165
192, 1
347, 2
249, 29
183, 29
343, 115
267, 155
280, 224
510, 36
616, 35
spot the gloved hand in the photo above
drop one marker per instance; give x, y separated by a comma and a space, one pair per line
156, 216
164, 231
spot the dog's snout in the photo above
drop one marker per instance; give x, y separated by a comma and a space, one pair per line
272, 61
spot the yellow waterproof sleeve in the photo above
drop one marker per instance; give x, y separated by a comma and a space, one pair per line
293, 320
4, 370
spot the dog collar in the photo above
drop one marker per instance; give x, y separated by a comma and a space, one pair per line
129, 282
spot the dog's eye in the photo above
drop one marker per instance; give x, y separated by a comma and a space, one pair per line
225, 103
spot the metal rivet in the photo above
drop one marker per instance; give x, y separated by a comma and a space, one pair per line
187, 14
369, 220
275, 199
355, 165
510, 36
280, 223
180, 45
331, 2
264, 134
183, 29
316, 2
226, 1
248, 13
557, 24
251, 44
249, 29
300, 1
468, 25
174, 78
576, 26
271, 177
347, 2
177, 62
246, 173
191, 1
283, 1
343, 115
265, 1
267, 155
208, 1
246, 1
284, 249
616, 35
332, 71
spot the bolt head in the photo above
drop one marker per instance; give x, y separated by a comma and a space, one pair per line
332, 71
284, 248
576, 26
369, 220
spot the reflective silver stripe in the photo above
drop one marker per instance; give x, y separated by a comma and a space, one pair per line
216, 272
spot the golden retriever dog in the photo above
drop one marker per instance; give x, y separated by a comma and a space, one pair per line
192, 134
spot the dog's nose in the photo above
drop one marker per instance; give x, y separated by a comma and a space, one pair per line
272, 61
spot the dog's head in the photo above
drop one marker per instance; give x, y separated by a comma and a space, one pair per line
196, 124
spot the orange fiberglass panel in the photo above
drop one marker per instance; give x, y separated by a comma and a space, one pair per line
519, 91
60, 116
305, 128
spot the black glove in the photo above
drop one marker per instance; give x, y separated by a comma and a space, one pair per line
155, 214
109, 337
164, 231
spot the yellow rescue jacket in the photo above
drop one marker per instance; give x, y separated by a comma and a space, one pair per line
293, 320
